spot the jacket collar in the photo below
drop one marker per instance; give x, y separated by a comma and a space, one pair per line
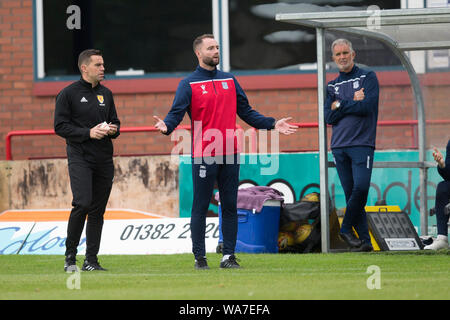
351, 72
208, 73
88, 84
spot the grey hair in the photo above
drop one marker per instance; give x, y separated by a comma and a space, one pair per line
341, 41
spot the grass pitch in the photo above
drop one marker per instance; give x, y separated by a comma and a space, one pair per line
418, 275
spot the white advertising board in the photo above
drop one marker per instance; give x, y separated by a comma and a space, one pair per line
122, 236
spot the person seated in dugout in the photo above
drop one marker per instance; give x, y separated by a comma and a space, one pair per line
442, 200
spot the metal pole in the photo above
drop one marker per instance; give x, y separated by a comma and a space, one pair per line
423, 173
323, 154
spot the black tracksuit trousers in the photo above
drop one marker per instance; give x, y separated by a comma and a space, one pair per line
91, 185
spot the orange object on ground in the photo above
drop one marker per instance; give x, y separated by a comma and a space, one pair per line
63, 215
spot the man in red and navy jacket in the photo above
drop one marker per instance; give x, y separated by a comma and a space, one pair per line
212, 99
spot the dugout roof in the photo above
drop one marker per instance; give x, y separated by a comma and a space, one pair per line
405, 29
401, 30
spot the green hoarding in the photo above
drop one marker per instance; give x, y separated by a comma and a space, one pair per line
297, 174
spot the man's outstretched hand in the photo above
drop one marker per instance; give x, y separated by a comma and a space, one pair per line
284, 127
160, 125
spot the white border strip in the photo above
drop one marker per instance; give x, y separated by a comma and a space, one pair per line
216, 80
40, 39
216, 20
225, 36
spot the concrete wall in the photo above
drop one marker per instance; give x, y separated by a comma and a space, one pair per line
148, 184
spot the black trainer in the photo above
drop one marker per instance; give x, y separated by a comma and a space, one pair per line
92, 266
350, 239
70, 263
230, 263
365, 247
201, 264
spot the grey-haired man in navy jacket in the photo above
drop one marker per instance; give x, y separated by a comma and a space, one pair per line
352, 110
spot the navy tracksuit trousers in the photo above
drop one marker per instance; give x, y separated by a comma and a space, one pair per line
204, 175
442, 199
354, 167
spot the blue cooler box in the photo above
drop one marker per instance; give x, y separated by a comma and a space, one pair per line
257, 231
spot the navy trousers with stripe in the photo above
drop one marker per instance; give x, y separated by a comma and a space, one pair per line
354, 168
204, 175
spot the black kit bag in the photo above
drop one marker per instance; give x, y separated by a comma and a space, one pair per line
295, 217
298, 211
302, 220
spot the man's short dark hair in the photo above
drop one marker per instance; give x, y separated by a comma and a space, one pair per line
86, 55
198, 41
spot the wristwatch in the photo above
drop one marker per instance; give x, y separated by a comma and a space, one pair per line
337, 105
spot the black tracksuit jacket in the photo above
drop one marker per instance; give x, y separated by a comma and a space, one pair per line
79, 107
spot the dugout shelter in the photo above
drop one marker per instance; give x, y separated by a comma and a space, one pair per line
403, 31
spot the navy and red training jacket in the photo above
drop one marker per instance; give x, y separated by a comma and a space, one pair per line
212, 100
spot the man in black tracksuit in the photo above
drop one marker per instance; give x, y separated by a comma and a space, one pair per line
85, 115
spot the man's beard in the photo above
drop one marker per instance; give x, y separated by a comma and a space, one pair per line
210, 61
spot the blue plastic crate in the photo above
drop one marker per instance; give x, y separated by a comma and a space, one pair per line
257, 231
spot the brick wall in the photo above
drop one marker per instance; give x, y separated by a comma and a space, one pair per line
21, 109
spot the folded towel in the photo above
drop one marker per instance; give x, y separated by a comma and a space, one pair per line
253, 198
